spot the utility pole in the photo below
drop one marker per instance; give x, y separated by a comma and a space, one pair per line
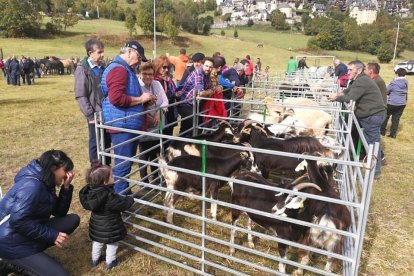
396, 41
154, 51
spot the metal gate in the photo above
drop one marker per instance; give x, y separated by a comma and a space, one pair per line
197, 243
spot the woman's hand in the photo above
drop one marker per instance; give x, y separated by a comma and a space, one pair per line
68, 179
62, 239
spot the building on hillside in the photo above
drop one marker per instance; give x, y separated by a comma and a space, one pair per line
318, 9
365, 12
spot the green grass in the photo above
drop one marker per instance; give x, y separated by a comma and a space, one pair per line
46, 115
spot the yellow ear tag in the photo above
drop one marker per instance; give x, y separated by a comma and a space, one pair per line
301, 205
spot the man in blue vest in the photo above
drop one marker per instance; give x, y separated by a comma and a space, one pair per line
124, 99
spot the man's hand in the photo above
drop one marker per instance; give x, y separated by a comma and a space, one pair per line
62, 239
332, 97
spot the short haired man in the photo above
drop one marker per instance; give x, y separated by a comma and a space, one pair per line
369, 106
302, 64
198, 81
180, 64
88, 93
340, 68
373, 69
291, 66
124, 99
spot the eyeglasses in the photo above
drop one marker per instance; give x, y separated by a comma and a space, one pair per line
147, 74
166, 67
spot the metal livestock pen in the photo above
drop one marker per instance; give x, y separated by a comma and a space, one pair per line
199, 244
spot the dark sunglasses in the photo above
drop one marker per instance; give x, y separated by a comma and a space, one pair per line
165, 67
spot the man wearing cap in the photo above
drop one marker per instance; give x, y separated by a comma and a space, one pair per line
197, 82
124, 99
196, 61
88, 93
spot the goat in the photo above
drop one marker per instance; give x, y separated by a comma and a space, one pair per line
266, 162
178, 148
181, 181
318, 212
263, 200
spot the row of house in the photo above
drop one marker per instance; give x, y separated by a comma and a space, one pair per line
364, 11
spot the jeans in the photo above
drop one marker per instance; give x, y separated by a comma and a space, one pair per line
372, 133
41, 263
93, 152
127, 150
394, 111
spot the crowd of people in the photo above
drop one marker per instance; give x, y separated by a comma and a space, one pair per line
126, 87
24, 68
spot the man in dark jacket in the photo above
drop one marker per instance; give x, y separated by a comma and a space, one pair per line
88, 92
369, 106
302, 64
340, 68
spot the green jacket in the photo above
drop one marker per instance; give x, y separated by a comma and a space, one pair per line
366, 95
292, 66
382, 87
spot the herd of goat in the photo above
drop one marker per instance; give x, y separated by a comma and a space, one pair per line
242, 161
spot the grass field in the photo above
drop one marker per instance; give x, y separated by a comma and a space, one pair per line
46, 115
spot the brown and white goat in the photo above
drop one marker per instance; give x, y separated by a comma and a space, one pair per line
186, 182
264, 200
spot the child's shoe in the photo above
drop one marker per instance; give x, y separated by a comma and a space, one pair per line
98, 261
113, 264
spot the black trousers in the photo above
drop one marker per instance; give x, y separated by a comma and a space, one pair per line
186, 110
41, 263
395, 112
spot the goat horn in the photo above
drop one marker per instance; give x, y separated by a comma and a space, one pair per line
302, 186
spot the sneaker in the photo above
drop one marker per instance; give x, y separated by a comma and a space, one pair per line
383, 132
392, 136
113, 264
384, 161
98, 261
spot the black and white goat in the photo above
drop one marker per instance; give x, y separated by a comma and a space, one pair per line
220, 166
177, 148
321, 213
264, 200
267, 162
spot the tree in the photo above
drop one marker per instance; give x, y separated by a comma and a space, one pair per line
385, 52
250, 23
63, 16
222, 33
145, 14
352, 34
235, 33
20, 18
278, 20
130, 21
227, 17
210, 5
170, 28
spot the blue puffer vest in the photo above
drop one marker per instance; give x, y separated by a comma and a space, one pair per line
133, 89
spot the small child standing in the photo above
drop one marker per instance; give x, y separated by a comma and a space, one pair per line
105, 225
